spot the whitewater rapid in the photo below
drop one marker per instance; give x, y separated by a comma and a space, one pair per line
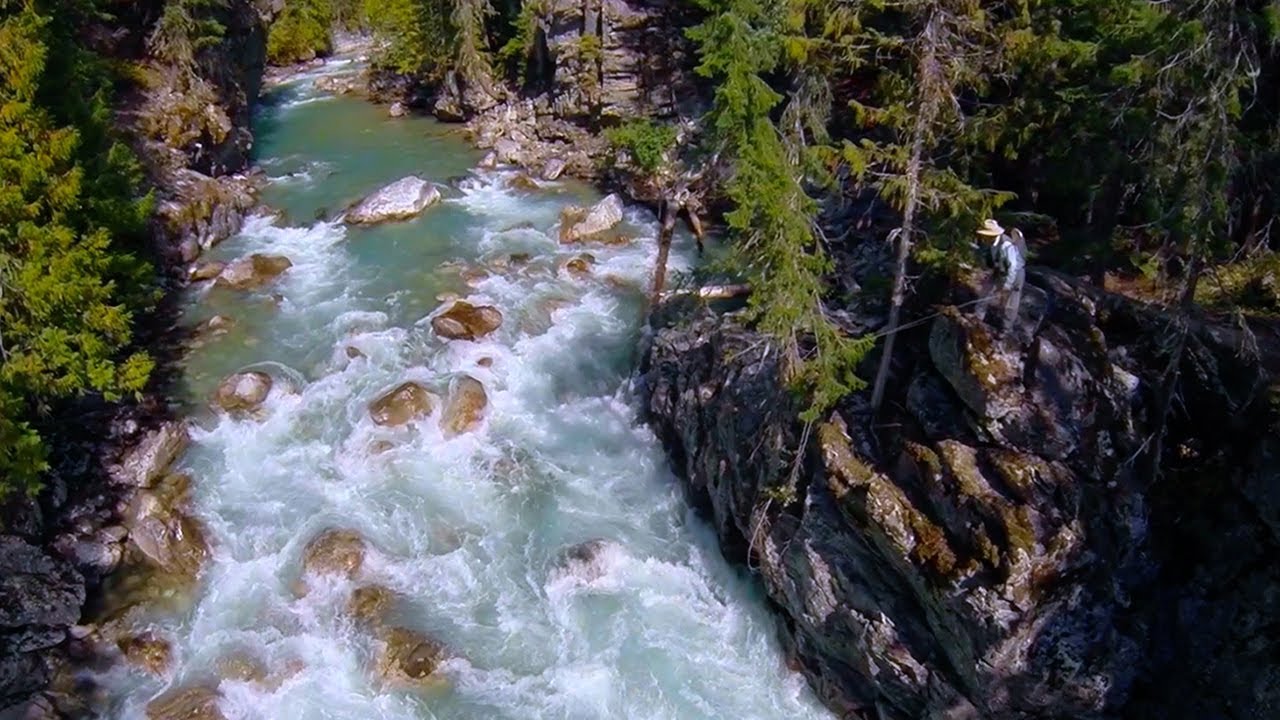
470, 532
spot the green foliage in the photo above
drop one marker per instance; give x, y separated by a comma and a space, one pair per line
772, 216
301, 32
184, 29
646, 142
514, 55
417, 36
69, 208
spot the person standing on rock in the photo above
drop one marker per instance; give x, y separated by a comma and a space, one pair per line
1009, 255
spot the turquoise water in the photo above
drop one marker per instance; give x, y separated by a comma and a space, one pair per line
470, 532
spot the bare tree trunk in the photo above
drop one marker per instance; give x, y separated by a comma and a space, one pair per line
929, 78
669, 211
1169, 378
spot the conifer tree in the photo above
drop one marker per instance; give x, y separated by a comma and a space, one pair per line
772, 216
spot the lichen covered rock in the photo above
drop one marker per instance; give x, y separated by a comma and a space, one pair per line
1001, 553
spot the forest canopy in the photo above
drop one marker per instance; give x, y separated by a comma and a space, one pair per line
72, 215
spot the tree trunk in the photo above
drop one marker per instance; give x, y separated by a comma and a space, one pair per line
929, 85
664, 250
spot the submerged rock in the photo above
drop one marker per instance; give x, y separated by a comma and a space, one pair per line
465, 408
407, 657
464, 321
403, 404
369, 604
578, 224
404, 199
148, 651
190, 703
580, 265
523, 182
585, 561
242, 667
334, 552
253, 272
243, 392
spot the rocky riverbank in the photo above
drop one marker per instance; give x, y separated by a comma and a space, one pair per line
999, 543
191, 130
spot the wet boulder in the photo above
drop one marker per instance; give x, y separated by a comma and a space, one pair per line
149, 459
403, 404
464, 321
397, 110
189, 703
525, 183
169, 538
407, 657
580, 265
578, 224
252, 272
586, 561
207, 271
243, 392
147, 651
369, 604
241, 667
401, 200
334, 552
465, 408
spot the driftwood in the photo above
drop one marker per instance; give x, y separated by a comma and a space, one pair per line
712, 292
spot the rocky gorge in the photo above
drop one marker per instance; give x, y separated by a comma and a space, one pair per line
1001, 544
1023, 535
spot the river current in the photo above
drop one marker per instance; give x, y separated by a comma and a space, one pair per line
470, 532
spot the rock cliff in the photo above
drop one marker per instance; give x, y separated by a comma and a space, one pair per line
999, 543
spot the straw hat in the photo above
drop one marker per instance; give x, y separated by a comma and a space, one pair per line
991, 228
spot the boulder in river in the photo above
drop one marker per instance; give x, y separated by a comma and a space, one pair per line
407, 657
578, 224
465, 408
580, 265
147, 651
369, 604
401, 200
464, 321
243, 392
586, 561
169, 538
403, 404
397, 110
207, 271
190, 703
334, 552
253, 272
525, 183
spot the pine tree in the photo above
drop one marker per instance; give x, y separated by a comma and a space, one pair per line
772, 216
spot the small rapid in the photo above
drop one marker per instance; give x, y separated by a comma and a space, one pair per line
474, 534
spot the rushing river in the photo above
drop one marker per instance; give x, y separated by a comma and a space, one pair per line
470, 532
